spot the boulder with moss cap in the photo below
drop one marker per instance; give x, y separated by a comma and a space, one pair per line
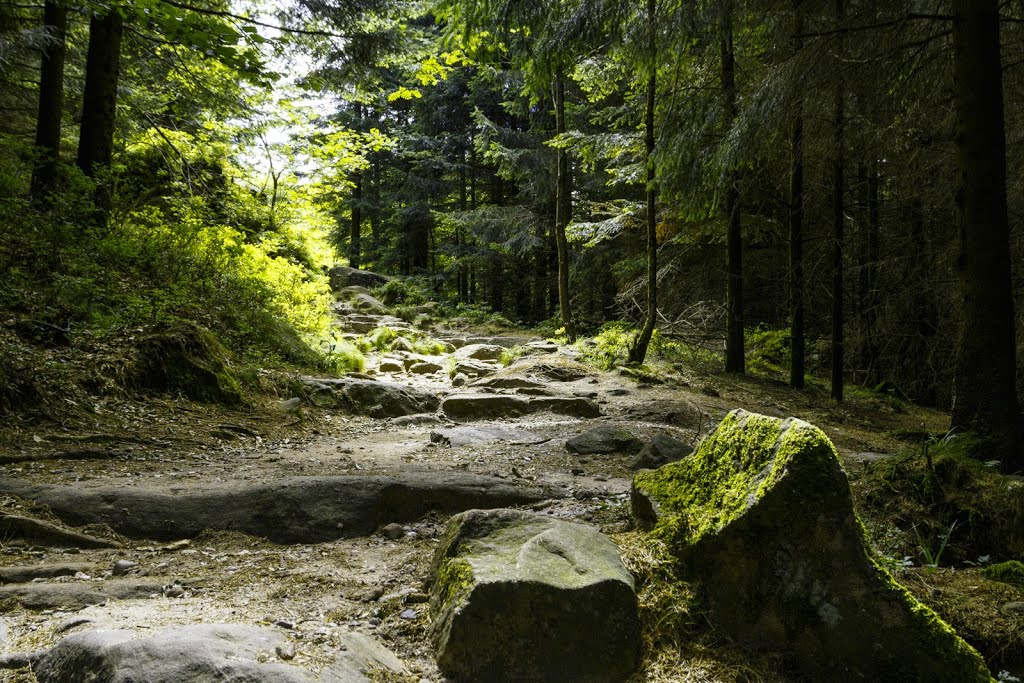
762, 519
517, 596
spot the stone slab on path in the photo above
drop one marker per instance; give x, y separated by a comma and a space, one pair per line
492, 406
761, 518
517, 596
367, 397
75, 595
465, 436
291, 510
231, 653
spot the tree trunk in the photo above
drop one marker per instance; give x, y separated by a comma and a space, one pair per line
563, 209
99, 102
838, 216
734, 354
51, 102
638, 350
357, 220
984, 397
796, 228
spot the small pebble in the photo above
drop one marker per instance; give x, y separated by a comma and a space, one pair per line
416, 598
285, 651
408, 614
577, 471
285, 624
374, 622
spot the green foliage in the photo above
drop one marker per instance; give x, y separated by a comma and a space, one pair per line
610, 346
1011, 572
919, 498
768, 351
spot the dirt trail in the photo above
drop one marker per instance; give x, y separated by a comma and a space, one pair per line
316, 592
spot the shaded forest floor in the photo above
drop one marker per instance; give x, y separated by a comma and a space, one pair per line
375, 584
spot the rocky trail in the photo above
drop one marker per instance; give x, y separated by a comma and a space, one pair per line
296, 544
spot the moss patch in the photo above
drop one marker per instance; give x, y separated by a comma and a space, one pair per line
730, 471
1011, 572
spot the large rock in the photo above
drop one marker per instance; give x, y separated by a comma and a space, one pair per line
480, 352
475, 368
343, 276
232, 653
517, 596
603, 440
291, 510
762, 519
368, 397
488, 406
660, 450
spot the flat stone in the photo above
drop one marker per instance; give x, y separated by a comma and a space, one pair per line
76, 594
475, 368
26, 573
660, 450
490, 406
464, 436
232, 653
517, 596
368, 397
289, 510
509, 382
344, 276
390, 365
425, 368
480, 352
761, 519
603, 440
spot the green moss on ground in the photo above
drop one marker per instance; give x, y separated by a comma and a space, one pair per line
1011, 572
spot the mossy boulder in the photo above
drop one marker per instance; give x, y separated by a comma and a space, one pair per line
761, 518
188, 360
517, 596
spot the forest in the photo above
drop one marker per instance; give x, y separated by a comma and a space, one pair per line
220, 217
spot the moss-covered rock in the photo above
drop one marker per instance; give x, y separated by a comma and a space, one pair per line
761, 517
185, 359
517, 596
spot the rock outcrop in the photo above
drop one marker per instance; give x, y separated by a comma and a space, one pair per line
232, 653
762, 519
367, 397
491, 406
604, 440
289, 510
517, 596
660, 450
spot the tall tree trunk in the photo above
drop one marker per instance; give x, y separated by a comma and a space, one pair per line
99, 102
355, 231
51, 102
563, 209
985, 397
357, 220
838, 216
734, 354
638, 351
797, 344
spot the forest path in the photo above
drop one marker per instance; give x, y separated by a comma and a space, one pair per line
315, 593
